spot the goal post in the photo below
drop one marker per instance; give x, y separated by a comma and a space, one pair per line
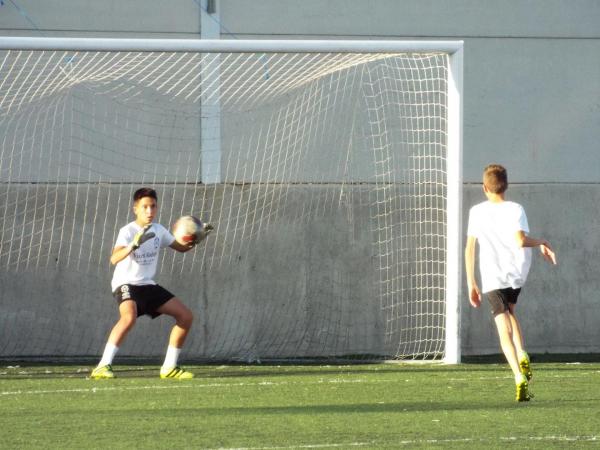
332, 171
454, 265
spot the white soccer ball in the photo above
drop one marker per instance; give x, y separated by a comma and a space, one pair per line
186, 229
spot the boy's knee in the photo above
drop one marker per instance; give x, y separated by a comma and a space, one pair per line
185, 319
189, 317
128, 320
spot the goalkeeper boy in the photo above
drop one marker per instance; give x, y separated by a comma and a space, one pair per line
135, 256
501, 229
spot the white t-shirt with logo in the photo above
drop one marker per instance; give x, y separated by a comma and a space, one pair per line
502, 263
139, 267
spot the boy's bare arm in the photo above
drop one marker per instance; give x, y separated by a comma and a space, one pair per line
120, 253
182, 247
474, 293
527, 241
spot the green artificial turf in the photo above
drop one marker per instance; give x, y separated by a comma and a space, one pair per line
308, 406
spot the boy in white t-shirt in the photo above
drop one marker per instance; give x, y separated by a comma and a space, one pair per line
501, 228
135, 256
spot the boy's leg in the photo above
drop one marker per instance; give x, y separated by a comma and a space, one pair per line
128, 316
505, 333
127, 319
522, 355
517, 335
183, 322
500, 301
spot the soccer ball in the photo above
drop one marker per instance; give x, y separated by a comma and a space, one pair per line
186, 229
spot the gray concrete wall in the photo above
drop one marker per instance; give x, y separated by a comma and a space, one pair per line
531, 102
304, 285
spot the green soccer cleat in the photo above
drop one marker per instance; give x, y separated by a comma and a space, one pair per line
525, 366
102, 373
176, 373
523, 391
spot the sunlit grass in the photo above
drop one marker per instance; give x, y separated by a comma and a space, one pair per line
310, 406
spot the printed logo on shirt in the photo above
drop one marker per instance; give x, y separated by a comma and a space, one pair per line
145, 258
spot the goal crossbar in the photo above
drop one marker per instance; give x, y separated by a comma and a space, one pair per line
230, 46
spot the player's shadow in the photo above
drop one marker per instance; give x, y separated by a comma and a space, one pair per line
249, 371
315, 371
258, 371
386, 408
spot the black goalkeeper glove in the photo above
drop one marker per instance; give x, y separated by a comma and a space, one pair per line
201, 235
141, 237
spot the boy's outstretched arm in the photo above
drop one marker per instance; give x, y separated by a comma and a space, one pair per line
474, 293
200, 236
527, 241
182, 248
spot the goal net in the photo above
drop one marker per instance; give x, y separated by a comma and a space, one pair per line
330, 171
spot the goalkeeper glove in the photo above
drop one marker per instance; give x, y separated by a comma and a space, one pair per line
201, 235
141, 237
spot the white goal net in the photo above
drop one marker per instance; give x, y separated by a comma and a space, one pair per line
329, 176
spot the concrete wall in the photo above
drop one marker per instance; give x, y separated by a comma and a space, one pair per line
532, 103
305, 285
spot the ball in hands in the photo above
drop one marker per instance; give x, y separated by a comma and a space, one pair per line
186, 229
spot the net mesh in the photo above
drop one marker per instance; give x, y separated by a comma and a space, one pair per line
323, 174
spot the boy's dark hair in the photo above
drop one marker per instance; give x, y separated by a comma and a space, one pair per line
495, 178
144, 192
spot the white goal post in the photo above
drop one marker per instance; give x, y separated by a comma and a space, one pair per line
332, 171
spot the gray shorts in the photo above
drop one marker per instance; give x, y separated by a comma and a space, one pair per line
500, 299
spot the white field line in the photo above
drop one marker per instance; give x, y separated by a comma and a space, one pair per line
96, 389
509, 439
344, 445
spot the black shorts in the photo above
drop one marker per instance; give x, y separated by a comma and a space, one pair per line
500, 299
148, 297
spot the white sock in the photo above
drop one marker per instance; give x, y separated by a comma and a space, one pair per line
523, 355
171, 357
109, 354
520, 378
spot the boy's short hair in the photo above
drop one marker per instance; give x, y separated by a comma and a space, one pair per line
144, 192
495, 178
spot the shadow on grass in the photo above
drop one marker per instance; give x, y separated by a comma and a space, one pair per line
242, 371
132, 368
537, 358
409, 407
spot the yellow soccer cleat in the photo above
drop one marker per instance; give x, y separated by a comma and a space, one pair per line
525, 366
176, 373
104, 372
523, 391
